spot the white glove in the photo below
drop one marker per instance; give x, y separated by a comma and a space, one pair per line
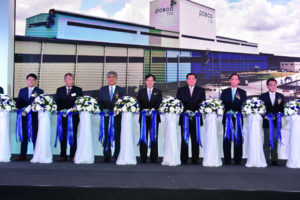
28, 109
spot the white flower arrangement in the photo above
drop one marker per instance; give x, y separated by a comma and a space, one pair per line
212, 105
126, 104
171, 105
292, 107
86, 103
7, 103
254, 106
43, 102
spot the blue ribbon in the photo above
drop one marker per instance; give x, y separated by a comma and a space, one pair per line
198, 129
153, 131
278, 135
186, 128
111, 131
229, 127
271, 128
70, 134
143, 128
238, 128
59, 128
29, 126
19, 130
102, 127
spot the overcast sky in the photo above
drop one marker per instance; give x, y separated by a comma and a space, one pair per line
273, 24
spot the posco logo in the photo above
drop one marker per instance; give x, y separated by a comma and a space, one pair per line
162, 10
169, 10
205, 14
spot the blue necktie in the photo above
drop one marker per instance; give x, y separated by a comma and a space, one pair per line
233, 94
111, 93
149, 94
30, 92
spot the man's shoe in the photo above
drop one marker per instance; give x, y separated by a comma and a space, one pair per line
195, 161
106, 160
72, 159
275, 163
21, 158
62, 159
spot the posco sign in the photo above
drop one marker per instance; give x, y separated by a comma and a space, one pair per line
207, 15
168, 10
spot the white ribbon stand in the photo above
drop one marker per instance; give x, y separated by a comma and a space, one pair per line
256, 157
84, 152
127, 155
171, 147
294, 147
5, 152
42, 151
211, 156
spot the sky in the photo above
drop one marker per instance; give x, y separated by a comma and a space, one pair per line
273, 24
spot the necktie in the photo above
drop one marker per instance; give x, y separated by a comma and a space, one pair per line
272, 99
149, 94
68, 91
191, 91
30, 92
111, 93
233, 94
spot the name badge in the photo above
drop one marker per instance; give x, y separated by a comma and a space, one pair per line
73, 94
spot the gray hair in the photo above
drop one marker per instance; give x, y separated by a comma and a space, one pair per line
113, 73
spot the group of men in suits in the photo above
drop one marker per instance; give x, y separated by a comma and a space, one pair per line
149, 97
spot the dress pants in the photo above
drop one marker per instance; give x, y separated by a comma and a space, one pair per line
267, 148
238, 147
35, 124
184, 146
117, 127
143, 146
63, 143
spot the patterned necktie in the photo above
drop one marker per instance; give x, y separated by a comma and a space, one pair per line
149, 94
111, 93
233, 94
68, 91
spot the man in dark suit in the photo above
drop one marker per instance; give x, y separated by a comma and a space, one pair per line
65, 99
233, 99
149, 98
25, 98
1, 90
108, 96
191, 97
274, 103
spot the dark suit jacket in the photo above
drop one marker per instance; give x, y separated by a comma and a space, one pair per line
23, 100
235, 105
278, 106
64, 101
155, 100
190, 103
104, 97
1, 90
